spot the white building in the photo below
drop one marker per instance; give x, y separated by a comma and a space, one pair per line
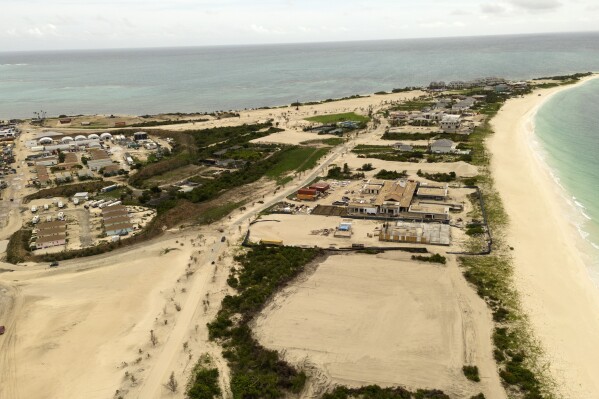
450, 123
443, 146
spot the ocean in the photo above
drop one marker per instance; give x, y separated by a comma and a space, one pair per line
567, 129
205, 79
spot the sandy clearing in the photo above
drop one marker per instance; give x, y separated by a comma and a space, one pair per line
69, 321
556, 290
293, 137
461, 168
363, 319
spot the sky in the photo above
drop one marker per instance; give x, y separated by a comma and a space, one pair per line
90, 24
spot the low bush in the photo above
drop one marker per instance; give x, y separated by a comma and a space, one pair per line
471, 372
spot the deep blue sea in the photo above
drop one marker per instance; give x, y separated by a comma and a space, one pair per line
567, 127
145, 81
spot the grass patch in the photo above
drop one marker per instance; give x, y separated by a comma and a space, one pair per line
216, 213
296, 159
413, 105
332, 141
336, 118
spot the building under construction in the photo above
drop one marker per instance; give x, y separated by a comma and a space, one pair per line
416, 233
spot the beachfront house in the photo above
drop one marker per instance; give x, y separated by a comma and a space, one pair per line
443, 146
464, 105
450, 123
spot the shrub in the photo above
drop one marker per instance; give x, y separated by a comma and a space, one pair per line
471, 372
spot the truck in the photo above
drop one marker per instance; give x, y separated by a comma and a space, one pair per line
105, 204
115, 203
97, 203
34, 209
76, 201
46, 207
60, 205
35, 219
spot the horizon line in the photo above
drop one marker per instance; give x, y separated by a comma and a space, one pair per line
298, 42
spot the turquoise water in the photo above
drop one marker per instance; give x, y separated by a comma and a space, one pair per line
567, 127
237, 77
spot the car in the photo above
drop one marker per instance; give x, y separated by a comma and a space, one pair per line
54, 264
2, 330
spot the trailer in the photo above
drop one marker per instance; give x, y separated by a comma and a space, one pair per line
109, 188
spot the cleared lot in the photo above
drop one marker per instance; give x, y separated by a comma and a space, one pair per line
386, 320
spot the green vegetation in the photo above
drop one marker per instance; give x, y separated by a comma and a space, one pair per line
474, 229
332, 141
439, 177
165, 123
574, 77
67, 190
376, 392
336, 118
296, 159
367, 167
217, 212
17, 247
471, 372
335, 172
328, 100
424, 136
390, 174
203, 382
413, 105
436, 258
257, 372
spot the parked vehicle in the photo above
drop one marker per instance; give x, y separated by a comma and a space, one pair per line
34, 209
54, 264
2, 330
60, 204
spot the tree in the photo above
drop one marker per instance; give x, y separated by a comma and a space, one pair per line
172, 384
346, 170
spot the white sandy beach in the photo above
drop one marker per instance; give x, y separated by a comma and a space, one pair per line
554, 284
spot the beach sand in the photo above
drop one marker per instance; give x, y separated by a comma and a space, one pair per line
555, 287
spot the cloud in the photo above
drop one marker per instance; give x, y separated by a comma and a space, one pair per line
263, 30
492, 8
536, 5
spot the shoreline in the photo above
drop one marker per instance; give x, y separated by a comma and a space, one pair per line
556, 290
